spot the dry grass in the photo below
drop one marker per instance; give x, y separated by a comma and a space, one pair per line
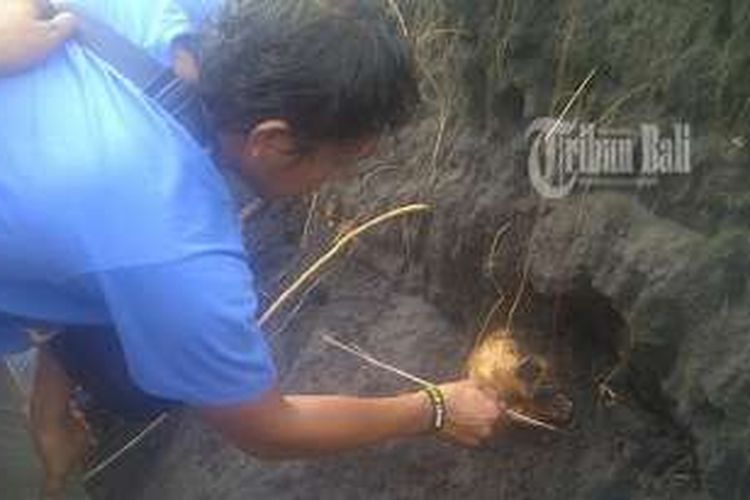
315, 269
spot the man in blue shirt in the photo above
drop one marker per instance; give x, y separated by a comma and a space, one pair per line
117, 227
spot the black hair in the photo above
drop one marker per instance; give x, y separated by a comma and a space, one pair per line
335, 70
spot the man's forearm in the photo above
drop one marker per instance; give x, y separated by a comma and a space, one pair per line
323, 424
303, 426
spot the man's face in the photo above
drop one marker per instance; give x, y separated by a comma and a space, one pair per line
270, 159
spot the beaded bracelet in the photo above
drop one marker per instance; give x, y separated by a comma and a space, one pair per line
438, 406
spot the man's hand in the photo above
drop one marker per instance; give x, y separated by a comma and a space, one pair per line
472, 413
25, 39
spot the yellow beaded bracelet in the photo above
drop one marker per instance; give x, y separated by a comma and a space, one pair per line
438, 406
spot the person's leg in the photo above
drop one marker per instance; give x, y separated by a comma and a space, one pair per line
89, 359
21, 471
61, 436
93, 358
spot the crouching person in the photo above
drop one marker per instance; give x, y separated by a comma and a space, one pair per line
118, 230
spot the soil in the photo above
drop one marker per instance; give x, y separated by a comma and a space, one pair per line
378, 299
637, 297
363, 307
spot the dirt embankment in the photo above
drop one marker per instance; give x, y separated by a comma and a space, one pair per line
638, 297
643, 319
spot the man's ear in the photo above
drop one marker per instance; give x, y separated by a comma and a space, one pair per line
271, 139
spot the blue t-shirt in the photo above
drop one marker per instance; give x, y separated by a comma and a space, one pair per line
110, 213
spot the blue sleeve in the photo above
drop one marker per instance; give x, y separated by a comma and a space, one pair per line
188, 331
151, 24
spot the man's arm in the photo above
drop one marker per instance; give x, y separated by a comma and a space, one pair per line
278, 426
25, 39
187, 336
